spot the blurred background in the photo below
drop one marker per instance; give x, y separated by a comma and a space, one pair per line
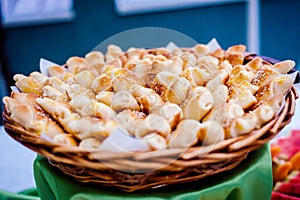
56, 30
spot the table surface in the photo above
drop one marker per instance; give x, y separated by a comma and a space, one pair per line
18, 159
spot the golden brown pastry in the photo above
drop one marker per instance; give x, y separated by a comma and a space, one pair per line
155, 141
225, 66
263, 76
189, 60
171, 112
150, 102
39, 77
28, 84
139, 91
220, 95
209, 64
90, 144
113, 52
105, 97
65, 139
201, 50
53, 93
129, 120
87, 127
101, 83
198, 104
153, 123
59, 85
250, 121
240, 80
85, 78
171, 87
123, 82
210, 132
284, 67
61, 73
86, 106
185, 135
242, 125
195, 76
220, 79
255, 64
24, 111
273, 92
245, 99
235, 54
163, 98
76, 64
57, 109
123, 100
95, 61
224, 113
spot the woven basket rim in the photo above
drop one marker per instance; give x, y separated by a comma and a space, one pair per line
128, 165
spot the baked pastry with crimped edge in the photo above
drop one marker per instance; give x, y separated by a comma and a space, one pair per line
123, 170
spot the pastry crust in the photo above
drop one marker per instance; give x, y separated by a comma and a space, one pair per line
185, 135
23, 109
169, 98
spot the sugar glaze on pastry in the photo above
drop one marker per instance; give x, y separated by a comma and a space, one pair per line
171, 99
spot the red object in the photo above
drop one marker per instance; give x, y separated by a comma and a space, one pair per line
294, 180
293, 177
288, 188
289, 145
280, 196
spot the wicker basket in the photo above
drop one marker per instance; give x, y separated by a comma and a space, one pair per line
131, 171
143, 170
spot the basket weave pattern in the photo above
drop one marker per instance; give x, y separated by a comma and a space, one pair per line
126, 171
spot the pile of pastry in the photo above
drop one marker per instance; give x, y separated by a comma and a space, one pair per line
168, 98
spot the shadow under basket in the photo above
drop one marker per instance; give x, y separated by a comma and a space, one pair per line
152, 169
